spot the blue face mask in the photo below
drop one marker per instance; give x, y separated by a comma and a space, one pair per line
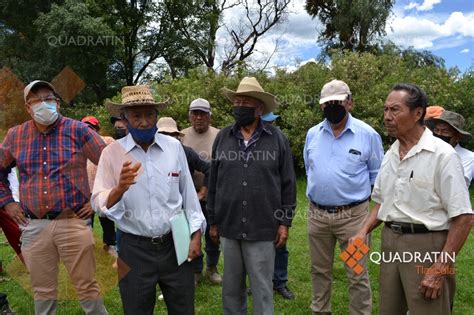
143, 135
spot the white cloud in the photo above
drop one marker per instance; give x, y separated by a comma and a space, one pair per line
422, 32
298, 32
427, 5
465, 51
411, 5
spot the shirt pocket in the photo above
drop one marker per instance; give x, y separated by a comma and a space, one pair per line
352, 164
173, 186
418, 193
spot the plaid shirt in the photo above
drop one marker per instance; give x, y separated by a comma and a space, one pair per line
52, 165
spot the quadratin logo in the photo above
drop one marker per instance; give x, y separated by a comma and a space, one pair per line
353, 254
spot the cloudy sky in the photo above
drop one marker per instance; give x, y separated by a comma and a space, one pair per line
444, 27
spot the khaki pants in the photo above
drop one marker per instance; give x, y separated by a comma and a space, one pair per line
44, 243
324, 230
399, 281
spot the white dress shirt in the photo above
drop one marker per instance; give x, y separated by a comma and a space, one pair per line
467, 159
426, 187
13, 180
163, 187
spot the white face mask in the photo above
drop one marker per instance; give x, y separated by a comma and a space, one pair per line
45, 113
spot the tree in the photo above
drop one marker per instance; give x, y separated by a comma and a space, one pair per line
350, 24
199, 26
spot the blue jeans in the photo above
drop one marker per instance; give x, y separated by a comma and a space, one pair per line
280, 275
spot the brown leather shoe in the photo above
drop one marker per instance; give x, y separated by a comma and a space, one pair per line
213, 275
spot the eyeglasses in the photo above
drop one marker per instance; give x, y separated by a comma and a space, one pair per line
37, 100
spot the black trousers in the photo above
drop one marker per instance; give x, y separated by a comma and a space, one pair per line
108, 229
148, 265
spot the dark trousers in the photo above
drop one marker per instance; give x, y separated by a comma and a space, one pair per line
3, 300
12, 231
280, 275
211, 249
148, 265
108, 230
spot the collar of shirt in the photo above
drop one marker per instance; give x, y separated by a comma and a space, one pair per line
129, 143
50, 130
349, 126
426, 142
235, 131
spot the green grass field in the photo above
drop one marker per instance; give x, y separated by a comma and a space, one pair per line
208, 297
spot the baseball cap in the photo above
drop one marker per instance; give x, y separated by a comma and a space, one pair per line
37, 83
200, 104
91, 120
434, 111
336, 90
269, 117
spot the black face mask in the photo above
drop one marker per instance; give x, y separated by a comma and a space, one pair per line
120, 133
444, 138
334, 113
244, 116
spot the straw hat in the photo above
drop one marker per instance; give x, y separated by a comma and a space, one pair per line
136, 95
168, 125
249, 86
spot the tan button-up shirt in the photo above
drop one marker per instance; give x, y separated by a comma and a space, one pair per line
426, 187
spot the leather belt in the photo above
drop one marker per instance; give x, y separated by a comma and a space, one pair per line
334, 209
53, 215
161, 239
407, 228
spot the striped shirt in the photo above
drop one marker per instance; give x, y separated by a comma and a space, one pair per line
52, 165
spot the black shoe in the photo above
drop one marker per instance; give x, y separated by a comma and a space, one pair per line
285, 293
5, 310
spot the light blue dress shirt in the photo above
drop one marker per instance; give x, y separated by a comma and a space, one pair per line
341, 170
163, 187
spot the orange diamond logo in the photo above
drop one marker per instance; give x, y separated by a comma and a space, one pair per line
353, 254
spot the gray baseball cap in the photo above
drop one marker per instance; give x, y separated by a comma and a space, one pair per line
200, 104
37, 83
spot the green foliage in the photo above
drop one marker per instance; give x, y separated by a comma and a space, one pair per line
353, 25
370, 78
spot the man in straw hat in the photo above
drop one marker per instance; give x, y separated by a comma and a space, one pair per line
422, 199
342, 157
142, 181
50, 152
251, 199
200, 137
449, 127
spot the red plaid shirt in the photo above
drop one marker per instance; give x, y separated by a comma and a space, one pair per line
52, 166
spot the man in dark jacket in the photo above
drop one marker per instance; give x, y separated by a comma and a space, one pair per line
251, 198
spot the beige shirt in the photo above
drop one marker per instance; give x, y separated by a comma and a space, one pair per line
202, 144
426, 187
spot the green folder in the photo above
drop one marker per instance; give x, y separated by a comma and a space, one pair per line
181, 236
